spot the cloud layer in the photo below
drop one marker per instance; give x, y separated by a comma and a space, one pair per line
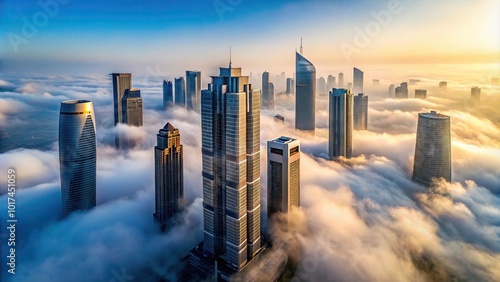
360, 220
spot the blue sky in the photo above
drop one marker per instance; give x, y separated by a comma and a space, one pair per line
133, 34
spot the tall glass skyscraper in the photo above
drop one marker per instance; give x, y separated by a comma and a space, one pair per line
357, 81
180, 92
305, 94
169, 176
283, 175
77, 155
360, 112
230, 119
168, 94
340, 123
267, 92
121, 82
432, 149
193, 90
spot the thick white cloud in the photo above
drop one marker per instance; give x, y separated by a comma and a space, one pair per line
360, 220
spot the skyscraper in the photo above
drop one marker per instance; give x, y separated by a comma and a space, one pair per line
402, 91
180, 92
169, 176
341, 80
340, 123
357, 81
443, 84
321, 85
305, 94
121, 82
193, 90
132, 107
168, 94
360, 111
420, 94
267, 92
283, 175
392, 91
290, 86
330, 82
77, 155
475, 94
432, 149
230, 118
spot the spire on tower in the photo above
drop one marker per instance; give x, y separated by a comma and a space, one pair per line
301, 49
229, 56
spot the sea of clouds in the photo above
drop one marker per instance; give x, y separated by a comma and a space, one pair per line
361, 219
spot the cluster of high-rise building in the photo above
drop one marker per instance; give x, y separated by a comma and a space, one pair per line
184, 92
127, 105
230, 151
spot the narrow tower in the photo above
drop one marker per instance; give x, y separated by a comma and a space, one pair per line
169, 179
305, 94
340, 123
283, 175
77, 155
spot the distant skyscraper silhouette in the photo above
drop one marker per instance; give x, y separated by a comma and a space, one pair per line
432, 149
230, 119
290, 86
193, 90
360, 112
169, 176
77, 155
376, 82
402, 91
180, 92
420, 94
341, 80
357, 81
475, 94
443, 84
283, 175
168, 94
392, 91
321, 85
267, 92
121, 82
132, 107
340, 123
305, 94
330, 82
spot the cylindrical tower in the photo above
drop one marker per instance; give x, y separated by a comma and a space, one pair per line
77, 155
433, 148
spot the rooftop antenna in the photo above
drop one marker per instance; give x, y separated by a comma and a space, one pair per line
230, 71
301, 49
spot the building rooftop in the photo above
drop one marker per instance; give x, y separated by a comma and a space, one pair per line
168, 127
283, 140
434, 115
